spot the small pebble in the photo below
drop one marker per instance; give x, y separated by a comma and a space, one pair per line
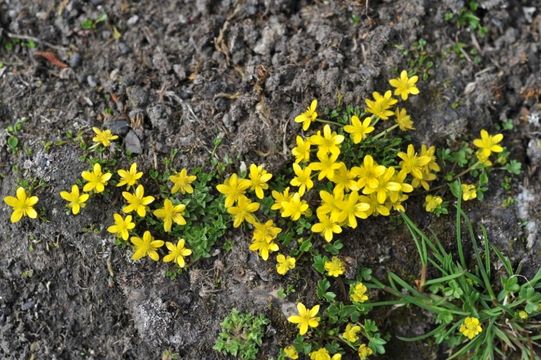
133, 20
91, 81
132, 144
75, 60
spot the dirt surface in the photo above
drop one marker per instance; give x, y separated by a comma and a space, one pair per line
173, 74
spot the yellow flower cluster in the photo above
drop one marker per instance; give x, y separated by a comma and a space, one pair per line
170, 213
369, 189
136, 203
355, 192
471, 327
350, 335
242, 209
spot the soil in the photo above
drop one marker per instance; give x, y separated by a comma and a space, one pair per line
180, 74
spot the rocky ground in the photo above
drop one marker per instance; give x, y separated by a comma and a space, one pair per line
180, 74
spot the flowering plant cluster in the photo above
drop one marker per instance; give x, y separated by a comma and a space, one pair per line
136, 208
340, 193
342, 173
480, 311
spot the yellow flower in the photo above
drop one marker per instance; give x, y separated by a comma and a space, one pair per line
302, 150
331, 203
182, 182
233, 188
302, 179
266, 231
284, 264
280, 198
335, 267
386, 185
381, 105
359, 130
432, 202
488, 143
364, 352
305, 319
368, 173
469, 192
323, 354
482, 158
377, 208
291, 353
129, 177
405, 85
295, 207
22, 204
328, 143
352, 208
258, 180
522, 314
264, 247
75, 200
170, 213
122, 226
358, 293
344, 179
350, 333
326, 227
308, 117
146, 246
95, 180
412, 163
103, 137
403, 120
471, 327
430, 151
326, 166
177, 253
243, 211
137, 201
397, 197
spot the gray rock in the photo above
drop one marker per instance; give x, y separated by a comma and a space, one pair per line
118, 127
124, 48
132, 144
75, 60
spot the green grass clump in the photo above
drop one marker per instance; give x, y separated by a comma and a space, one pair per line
241, 335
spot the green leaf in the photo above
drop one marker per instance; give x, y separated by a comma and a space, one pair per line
319, 263
334, 248
306, 245
513, 167
87, 24
12, 143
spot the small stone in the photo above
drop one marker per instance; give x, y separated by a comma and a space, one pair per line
75, 60
118, 127
132, 143
180, 72
91, 81
133, 20
123, 48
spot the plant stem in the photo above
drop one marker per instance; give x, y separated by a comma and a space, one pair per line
467, 170
384, 132
328, 122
